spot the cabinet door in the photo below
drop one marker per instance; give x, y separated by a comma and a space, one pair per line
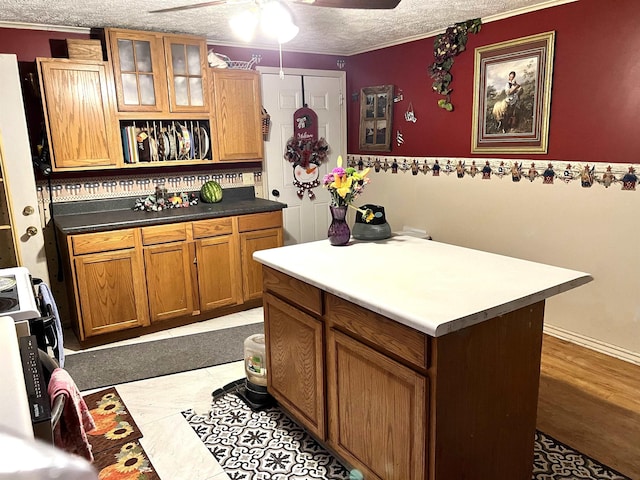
110, 288
79, 106
377, 411
187, 71
218, 272
139, 70
169, 287
238, 109
251, 270
295, 370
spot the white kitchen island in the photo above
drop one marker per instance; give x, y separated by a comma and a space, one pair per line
410, 359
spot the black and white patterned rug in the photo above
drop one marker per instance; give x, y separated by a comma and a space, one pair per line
267, 445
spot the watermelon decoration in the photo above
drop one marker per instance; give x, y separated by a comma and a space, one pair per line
211, 192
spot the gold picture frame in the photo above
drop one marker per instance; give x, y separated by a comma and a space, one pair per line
512, 95
376, 118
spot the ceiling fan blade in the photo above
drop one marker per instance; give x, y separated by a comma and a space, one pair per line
362, 4
189, 7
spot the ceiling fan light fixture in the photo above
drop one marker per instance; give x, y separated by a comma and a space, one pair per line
244, 24
276, 21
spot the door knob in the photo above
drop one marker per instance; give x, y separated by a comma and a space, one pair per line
32, 231
28, 210
275, 193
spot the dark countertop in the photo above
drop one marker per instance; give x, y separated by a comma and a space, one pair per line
115, 213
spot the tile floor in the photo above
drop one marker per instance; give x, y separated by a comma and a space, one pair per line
156, 403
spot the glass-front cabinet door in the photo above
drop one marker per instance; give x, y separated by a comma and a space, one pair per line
139, 70
187, 71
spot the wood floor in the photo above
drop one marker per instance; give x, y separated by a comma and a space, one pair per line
591, 402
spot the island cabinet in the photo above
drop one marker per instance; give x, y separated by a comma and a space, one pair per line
147, 275
79, 107
397, 403
108, 286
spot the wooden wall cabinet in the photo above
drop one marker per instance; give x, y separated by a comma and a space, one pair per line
134, 277
187, 73
156, 72
79, 105
139, 70
155, 83
238, 114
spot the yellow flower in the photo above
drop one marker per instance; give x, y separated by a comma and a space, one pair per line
121, 430
345, 187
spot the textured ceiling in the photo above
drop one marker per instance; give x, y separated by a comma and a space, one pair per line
322, 30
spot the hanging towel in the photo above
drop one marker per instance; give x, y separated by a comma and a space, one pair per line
47, 299
70, 434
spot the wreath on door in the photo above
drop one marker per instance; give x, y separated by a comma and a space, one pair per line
306, 156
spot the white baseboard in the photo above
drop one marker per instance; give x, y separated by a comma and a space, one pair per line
593, 344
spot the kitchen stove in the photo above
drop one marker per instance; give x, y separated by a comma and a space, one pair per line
17, 298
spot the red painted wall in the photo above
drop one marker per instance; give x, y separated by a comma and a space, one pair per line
595, 103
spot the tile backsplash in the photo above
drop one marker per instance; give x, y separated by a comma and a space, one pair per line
92, 188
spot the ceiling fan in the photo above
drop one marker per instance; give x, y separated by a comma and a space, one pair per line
361, 4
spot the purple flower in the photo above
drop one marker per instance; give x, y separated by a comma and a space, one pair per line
327, 179
338, 171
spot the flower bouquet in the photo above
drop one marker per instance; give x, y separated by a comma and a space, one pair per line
344, 185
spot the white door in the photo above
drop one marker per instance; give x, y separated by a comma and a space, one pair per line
305, 220
19, 175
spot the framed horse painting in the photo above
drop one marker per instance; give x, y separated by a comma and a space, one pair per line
512, 95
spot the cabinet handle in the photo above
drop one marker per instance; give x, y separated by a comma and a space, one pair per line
32, 231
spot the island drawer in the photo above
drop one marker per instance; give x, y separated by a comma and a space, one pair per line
259, 221
380, 332
174, 232
102, 241
297, 293
212, 227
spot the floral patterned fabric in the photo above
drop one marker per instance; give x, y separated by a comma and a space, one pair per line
117, 452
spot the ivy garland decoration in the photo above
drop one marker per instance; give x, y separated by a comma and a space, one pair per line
446, 46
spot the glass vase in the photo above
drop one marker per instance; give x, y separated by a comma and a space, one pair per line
339, 232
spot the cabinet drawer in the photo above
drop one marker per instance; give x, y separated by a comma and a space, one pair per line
102, 241
259, 221
382, 333
213, 227
175, 232
293, 290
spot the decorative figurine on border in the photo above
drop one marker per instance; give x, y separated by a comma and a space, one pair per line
516, 171
486, 171
460, 169
608, 177
587, 176
630, 179
414, 167
473, 170
435, 171
548, 175
532, 173
567, 175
